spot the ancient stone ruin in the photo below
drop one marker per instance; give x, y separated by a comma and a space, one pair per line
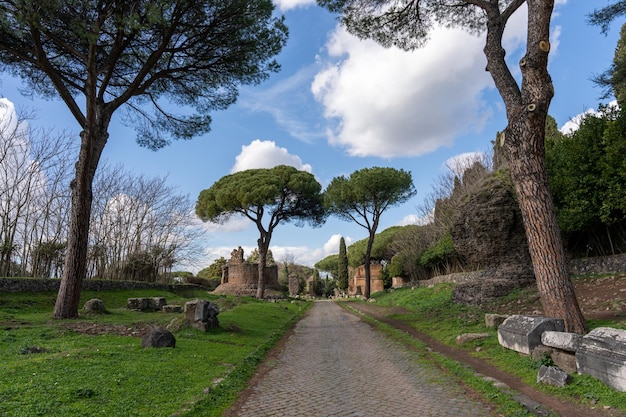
202, 314
601, 353
240, 277
356, 285
489, 234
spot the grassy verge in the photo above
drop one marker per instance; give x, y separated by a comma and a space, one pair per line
433, 313
78, 374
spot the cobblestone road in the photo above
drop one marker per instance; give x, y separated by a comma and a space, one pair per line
336, 365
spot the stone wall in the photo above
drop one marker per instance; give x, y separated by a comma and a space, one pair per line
595, 265
599, 265
46, 284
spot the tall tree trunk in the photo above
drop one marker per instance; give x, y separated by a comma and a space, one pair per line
75, 267
523, 146
368, 273
263, 245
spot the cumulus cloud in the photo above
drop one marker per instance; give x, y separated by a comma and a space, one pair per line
285, 5
265, 154
414, 219
387, 102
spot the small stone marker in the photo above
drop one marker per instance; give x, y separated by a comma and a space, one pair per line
158, 337
523, 333
553, 375
602, 354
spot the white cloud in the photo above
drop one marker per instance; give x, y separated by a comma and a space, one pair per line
235, 223
414, 219
573, 124
389, 102
265, 154
284, 5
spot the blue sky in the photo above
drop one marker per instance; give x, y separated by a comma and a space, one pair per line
340, 104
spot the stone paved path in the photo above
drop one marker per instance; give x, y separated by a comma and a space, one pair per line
336, 365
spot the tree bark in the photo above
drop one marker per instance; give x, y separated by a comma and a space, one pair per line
75, 267
263, 248
368, 272
523, 146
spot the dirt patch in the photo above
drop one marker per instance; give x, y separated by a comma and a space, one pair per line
135, 330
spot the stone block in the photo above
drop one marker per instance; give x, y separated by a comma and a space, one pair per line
137, 304
202, 310
602, 354
523, 333
561, 340
173, 308
553, 375
190, 310
494, 320
156, 303
565, 361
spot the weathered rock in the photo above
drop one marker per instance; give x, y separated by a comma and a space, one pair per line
553, 375
523, 333
469, 337
561, 340
602, 354
494, 320
488, 217
95, 305
137, 304
158, 337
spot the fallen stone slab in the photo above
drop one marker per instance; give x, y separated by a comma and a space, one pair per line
602, 354
523, 333
553, 375
561, 340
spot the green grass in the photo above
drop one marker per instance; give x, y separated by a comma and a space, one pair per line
432, 312
111, 375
